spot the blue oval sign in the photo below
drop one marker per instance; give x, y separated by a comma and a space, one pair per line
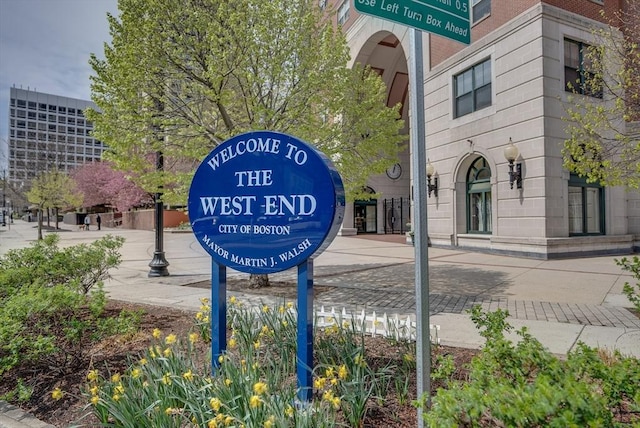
263, 202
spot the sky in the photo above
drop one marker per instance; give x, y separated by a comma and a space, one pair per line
45, 46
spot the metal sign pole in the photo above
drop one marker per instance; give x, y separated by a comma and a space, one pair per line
305, 330
218, 311
419, 174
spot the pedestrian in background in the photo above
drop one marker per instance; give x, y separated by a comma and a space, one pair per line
87, 222
98, 220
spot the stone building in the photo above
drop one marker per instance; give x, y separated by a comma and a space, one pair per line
508, 86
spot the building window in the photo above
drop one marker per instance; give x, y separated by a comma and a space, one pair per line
480, 9
343, 12
479, 197
586, 207
473, 89
579, 75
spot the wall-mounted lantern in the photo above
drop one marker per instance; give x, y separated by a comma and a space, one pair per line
515, 174
431, 171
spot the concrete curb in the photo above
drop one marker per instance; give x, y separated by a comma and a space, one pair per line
13, 417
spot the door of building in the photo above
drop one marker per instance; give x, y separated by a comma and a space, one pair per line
365, 216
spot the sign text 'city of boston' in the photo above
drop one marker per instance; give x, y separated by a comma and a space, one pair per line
264, 202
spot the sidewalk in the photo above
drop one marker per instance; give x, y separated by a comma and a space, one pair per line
561, 302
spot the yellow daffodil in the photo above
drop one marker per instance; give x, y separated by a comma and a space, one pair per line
93, 375
57, 394
143, 361
94, 390
265, 309
343, 372
215, 404
166, 379
319, 382
95, 400
193, 337
135, 373
170, 339
166, 352
228, 382
256, 344
115, 378
188, 375
156, 333
116, 397
329, 372
228, 420
335, 401
212, 424
232, 343
233, 300
289, 411
269, 423
260, 388
119, 389
254, 401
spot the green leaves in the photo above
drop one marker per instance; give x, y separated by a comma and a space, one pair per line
603, 136
43, 290
524, 385
181, 77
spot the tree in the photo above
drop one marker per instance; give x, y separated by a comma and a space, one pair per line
53, 189
604, 135
180, 77
100, 184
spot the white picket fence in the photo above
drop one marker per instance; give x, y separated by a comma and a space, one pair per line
387, 326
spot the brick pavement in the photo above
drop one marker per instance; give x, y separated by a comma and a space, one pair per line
390, 288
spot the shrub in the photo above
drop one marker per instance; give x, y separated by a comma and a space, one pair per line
51, 300
523, 384
632, 292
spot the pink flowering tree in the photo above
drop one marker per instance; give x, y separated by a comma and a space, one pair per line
102, 185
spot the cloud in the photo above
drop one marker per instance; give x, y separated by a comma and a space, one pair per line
45, 45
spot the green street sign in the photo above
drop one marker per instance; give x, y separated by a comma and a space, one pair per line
446, 18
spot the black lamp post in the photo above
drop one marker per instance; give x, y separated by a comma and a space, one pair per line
159, 264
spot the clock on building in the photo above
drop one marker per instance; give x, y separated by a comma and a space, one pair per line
394, 171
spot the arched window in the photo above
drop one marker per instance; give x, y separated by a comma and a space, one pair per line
479, 197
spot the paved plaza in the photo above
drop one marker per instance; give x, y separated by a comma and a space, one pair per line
560, 301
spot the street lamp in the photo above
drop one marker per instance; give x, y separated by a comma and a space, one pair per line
159, 264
